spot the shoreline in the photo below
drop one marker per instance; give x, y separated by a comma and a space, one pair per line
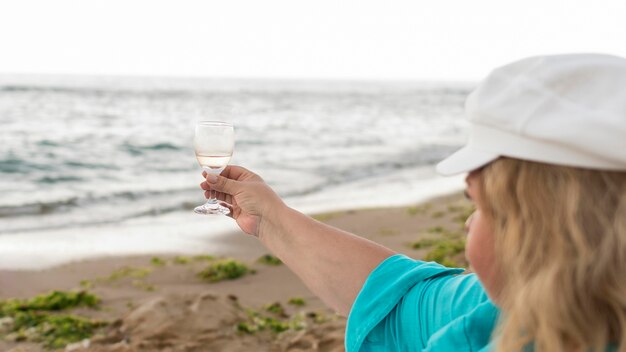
186, 232
129, 285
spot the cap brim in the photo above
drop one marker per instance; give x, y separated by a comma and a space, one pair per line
464, 160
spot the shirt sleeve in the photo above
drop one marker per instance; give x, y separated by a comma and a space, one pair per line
405, 301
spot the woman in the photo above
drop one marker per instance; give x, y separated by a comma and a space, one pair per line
547, 243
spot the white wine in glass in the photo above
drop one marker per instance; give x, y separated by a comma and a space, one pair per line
213, 142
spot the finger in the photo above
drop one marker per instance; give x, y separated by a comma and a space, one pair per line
225, 197
230, 207
204, 186
204, 174
223, 184
238, 173
219, 196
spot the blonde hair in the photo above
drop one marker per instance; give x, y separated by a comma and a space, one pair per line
560, 242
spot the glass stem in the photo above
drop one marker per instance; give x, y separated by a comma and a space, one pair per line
212, 197
212, 194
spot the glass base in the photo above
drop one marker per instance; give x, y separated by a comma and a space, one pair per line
211, 207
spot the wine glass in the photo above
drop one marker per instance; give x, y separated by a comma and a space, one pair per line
213, 142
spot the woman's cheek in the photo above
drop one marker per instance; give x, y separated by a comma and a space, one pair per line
479, 245
480, 253
469, 237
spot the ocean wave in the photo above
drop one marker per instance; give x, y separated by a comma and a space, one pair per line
47, 143
66, 213
58, 179
135, 150
37, 208
84, 165
14, 165
350, 172
68, 204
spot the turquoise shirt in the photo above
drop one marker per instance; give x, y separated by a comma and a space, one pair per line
410, 305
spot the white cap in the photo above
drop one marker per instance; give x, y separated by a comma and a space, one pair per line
563, 109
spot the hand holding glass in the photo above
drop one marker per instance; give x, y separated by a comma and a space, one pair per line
213, 142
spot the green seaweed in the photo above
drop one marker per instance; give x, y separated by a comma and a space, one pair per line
37, 319
224, 269
259, 322
273, 324
181, 260
318, 317
279, 321
53, 301
436, 229
444, 232
275, 308
142, 285
418, 209
202, 258
437, 214
452, 208
297, 301
55, 331
156, 261
135, 273
247, 327
424, 243
269, 259
443, 251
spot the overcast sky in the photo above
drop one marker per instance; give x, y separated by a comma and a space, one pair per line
355, 39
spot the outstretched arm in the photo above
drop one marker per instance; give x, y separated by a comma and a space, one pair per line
332, 263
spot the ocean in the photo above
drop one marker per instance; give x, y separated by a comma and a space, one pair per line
93, 166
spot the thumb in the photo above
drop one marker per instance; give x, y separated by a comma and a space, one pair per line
222, 184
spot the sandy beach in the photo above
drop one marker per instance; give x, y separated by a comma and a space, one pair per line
160, 303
